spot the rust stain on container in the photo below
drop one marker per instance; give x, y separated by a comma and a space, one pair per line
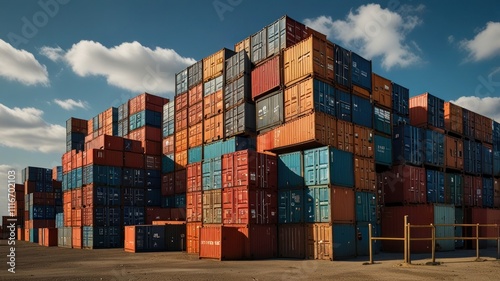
381, 91
364, 174
193, 237
213, 104
194, 209
363, 141
266, 77
453, 120
454, 150
195, 114
345, 136
213, 128
195, 135
195, 94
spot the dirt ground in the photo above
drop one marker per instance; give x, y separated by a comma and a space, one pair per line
34, 262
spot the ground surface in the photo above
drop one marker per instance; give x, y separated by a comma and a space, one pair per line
35, 262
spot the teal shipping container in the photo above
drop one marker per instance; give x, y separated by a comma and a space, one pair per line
328, 165
291, 206
383, 150
362, 239
317, 204
382, 121
167, 163
366, 207
195, 154
444, 214
145, 118
290, 170
34, 235
459, 219
344, 241
218, 148
453, 189
212, 174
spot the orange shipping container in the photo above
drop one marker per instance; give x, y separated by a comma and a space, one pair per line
106, 142
195, 94
76, 217
181, 101
214, 64
195, 114
181, 160
454, 158
168, 145
76, 233
319, 238
311, 57
193, 237
146, 133
213, 128
363, 141
146, 101
26, 234
213, 104
194, 209
265, 142
243, 45
193, 172
181, 140
362, 92
453, 118
364, 174
181, 119
345, 136
381, 91
103, 157
195, 135
76, 198
299, 99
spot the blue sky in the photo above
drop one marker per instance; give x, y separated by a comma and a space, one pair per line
63, 58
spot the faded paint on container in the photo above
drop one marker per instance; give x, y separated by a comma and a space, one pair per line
362, 247
381, 91
434, 148
311, 57
249, 168
291, 206
193, 237
246, 205
361, 72
344, 105
327, 165
407, 145
181, 82
345, 136
291, 241
290, 170
382, 121
240, 120
427, 110
454, 153
473, 191
453, 188
236, 66
212, 206
404, 184
213, 65
364, 174
383, 150
195, 74
307, 96
237, 92
269, 111
327, 242
363, 141
400, 100
212, 174
453, 119
266, 77
362, 112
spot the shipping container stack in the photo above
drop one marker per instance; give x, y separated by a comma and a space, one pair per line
19, 211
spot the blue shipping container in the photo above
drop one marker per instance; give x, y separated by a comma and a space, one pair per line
487, 161
150, 238
327, 165
195, 154
133, 215
238, 143
344, 105
180, 201
212, 174
291, 206
153, 197
102, 237
344, 241
434, 148
212, 150
496, 161
324, 97
290, 170
488, 193
50, 212
366, 207
435, 187
145, 118
472, 157
400, 100
133, 196
382, 121
167, 163
383, 150
34, 235
317, 204
168, 202
342, 66
400, 120
133, 177
59, 220
407, 145
362, 111
37, 212
362, 241
361, 72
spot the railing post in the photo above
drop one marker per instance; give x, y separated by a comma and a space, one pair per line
370, 246
405, 251
433, 243
409, 242
477, 241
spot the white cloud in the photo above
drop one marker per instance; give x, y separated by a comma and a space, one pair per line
21, 66
485, 45
451, 39
374, 32
129, 66
71, 104
487, 106
24, 128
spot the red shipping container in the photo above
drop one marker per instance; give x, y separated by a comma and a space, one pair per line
48, 237
76, 217
181, 119
79, 159
181, 140
146, 133
180, 182
29, 187
131, 145
146, 101
195, 94
178, 214
364, 174
76, 198
213, 104
193, 237
105, 142
157, 213
244, 205
193, 172
168, 145
265, 142
103, 157
474, 216
152, 162
168, 184
181, 160
194, 209
249, 168
152, 147
39, 223
492, 217
133, 160
343, 205
195, 135
195, 114
473, 191
405, 184
76, 234
266, 77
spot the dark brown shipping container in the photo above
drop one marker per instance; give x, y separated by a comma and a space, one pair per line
364, 174
212, 206
193, 237
249, 168
195, 135
168, 184
194, 209
363, 141
152, 162
195, 113
453, 119
291, 241
181, 119
342, 207
75, 125
245, 205
381, 91
213, 128
472, 195
133, 160
152, 147
483, 128
362, 92
492, 217
193, 177
213, 104
157, 213
104, 142
345, 136
454, 150
195, 94
474, 216
405, 184
266, 77
181, 140
168, 145
180, 182
178, 214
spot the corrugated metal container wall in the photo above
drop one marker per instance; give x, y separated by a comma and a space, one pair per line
434, 148
496, 196
444, 214
212, 206
381, 91
342, 67
345, 136
362, 112
363, 141
453, 188
213, 103
269, 111
400, 100
383, 150
211, 174
310, 95
366, 207
453, 119
213, 65
493, 217
195, 154
195, 74
317, 204
237, 92
327, 242
310, 57
258, 42
243, 45
290, 170
473, 216
488, 193
291, 241
284, 33
405, 184
364, 174
343, 210
144, 238
240, 120
195, 94
291, 206
181, 82
266, 77
435, 187
237, 65
487, 160
195, 114
249, 168
473, 191
407, 145
168, 119
213, 128
472, 157
327, 165
398, 120
193, 175
193, 237
382, 121
469, 122
246, 205
344, 105
361, 72
362, 247
194, 209
195, 136
454, 153
427, 110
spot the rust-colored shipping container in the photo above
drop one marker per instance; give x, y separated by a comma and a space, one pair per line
345, 136
133, 160
157, 213
243, 45
381, 91
152, 147
313, 56
291, 241
453, 119
473, 216
214, 64
318, 239
405, 184
483, 128
266, 77
146, 133
47, 237
195, 114
146, 101
496, 193
20, 234
246, 205
26, 234
454, 150
194, 209
152, 162
181, 101
67, 214
168, 184
181, 160
168, 145
181, 119
76, 217
180, 181
342, 206
213, 104
249, 168
212, 206
299, 99
76, 198
213, 128
195, 135
76, 234
104, 142
492, 217
195, 95
265, 142
473, 187
181, 140
363, 141
315, 128
90, 126
193, 237
427, 111
364, 174
362, 92
193, 172
178, 214
75, 125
